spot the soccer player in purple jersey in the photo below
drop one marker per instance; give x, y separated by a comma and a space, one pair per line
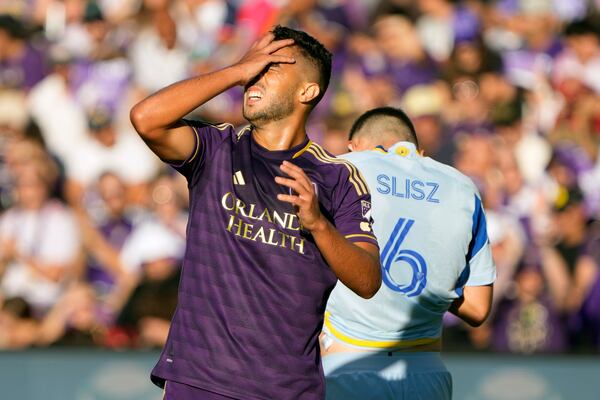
274, 221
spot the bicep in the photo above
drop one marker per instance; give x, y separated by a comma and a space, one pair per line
173, 145
479, 295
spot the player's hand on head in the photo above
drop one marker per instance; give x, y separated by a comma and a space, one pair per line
303, 196
260, 55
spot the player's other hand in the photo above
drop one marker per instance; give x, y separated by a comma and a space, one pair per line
304, 199
260, 55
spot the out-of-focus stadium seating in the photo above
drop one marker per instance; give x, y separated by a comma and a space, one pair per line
92, 225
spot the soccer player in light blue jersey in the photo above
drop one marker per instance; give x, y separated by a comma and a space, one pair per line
435, 257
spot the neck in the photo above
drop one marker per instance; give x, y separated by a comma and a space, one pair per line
282, 134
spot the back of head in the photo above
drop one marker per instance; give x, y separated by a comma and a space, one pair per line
384, 125
13, 27
314, 52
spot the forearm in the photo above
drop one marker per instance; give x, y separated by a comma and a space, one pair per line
166, 107
355, 267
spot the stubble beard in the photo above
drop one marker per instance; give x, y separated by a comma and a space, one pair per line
275, 111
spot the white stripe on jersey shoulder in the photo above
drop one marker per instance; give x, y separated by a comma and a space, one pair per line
355, 177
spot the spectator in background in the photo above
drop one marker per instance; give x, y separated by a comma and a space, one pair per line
74, 320
21, 65
531, 322
153, 254
105, 149
39, 241
52, 102
105, 232
580, 59
578, 249
155, 55
18, 327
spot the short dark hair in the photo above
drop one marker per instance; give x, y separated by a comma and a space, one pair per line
12, 26
313, 50
389, 112
581, 28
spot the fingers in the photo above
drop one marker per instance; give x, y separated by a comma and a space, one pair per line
278, 44
294, 200
264, 41
298, 174
281, 59
292, 184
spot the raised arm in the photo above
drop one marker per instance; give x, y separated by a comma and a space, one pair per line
158, 117
355, 264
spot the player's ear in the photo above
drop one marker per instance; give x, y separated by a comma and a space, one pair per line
309, 92
350, 146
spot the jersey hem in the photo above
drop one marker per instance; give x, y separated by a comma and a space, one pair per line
160, 378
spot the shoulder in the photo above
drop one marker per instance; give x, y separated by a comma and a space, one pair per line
344, 171
450, 174
223, 128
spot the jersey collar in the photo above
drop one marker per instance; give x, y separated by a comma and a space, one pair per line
404, 149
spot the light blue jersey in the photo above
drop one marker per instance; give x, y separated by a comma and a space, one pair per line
432, 234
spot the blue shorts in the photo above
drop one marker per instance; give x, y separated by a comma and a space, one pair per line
365, 376
180, 391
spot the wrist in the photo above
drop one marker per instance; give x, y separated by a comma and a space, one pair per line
320, 226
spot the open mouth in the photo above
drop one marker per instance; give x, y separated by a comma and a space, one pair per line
253, 95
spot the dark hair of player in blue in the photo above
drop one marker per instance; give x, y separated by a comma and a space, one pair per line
313, 51
402, 126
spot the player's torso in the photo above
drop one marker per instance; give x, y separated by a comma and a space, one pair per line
254, 284
422, 219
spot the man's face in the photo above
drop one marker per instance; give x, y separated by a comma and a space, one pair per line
271, 95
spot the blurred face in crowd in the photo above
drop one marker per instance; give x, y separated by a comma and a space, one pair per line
467, 57
398, 38
530, 284
83, 315
113, 192
280, 89
164, 200
585, 46
31, 189
105, 135
571, 222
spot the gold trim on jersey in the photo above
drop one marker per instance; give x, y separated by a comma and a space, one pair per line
222, 126
360, 235
383, 344
355, 176
197, 147
300, 152
243, 131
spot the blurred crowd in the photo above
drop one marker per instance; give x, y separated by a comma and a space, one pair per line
92, 225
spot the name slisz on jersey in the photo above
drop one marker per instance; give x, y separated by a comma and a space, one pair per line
407, 188
237, 224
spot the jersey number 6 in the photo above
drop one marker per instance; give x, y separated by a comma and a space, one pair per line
392, 255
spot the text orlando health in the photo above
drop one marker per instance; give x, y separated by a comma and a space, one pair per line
263, 234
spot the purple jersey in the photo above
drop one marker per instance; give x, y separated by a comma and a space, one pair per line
254, 284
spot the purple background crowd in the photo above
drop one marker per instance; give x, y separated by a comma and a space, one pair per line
92, 225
